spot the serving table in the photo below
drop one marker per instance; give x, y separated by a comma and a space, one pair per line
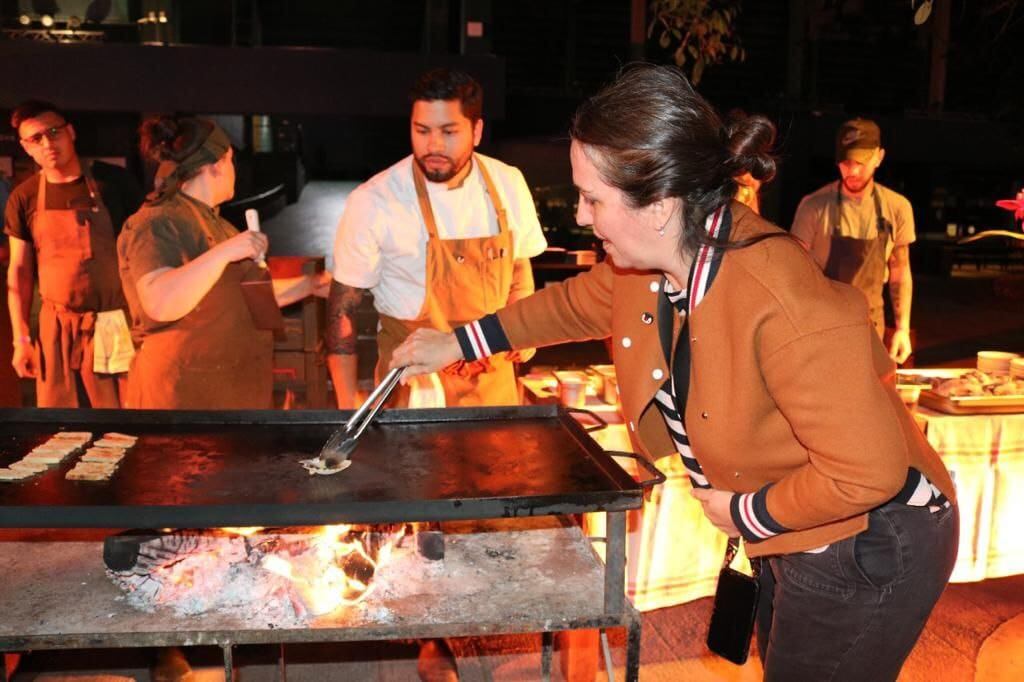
215, 469
985, 456
674, 553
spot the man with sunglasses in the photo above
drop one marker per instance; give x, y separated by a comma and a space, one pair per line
63, 223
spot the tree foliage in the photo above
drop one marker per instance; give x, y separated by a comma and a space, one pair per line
697, 32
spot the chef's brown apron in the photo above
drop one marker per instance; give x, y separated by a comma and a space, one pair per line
214, 358
76, 258
861, 262
465, 280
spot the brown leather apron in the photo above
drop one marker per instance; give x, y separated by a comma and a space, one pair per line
861, 262
213, 358
76, 258
465, 280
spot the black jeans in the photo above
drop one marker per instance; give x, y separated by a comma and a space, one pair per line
855, 611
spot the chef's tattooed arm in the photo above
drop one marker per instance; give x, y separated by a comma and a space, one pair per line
342, 301
901, 291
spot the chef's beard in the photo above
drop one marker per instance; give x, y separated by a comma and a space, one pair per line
862, 184
444, 174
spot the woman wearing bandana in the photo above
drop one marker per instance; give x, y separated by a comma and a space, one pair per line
733, 350
182, 267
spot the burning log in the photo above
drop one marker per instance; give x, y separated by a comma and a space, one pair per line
294, 574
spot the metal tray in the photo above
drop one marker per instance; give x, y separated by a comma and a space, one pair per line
969, 404
212, 469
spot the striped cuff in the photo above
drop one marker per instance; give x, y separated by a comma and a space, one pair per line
482, 338
750, 514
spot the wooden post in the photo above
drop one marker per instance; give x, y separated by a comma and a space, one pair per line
940, 53
637, 30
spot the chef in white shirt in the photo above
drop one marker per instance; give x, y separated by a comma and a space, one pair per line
441, 238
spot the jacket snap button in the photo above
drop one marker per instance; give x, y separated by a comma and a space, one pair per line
693, 339
657, 374
736, 475
655, 287
703, 415
647, 318
460, 258
626, 342
632, 427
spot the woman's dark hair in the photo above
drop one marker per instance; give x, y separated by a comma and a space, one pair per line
169, 138
448, 85
656, 138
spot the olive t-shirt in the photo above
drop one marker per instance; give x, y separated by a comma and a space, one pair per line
166, 235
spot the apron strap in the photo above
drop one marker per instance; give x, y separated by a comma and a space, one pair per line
492, 192
423, 198
90, 185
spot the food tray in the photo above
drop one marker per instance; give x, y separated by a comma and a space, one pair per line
971, 404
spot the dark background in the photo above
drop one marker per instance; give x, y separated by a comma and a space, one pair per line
327, 79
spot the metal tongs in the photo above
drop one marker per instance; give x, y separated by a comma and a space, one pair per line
334, 455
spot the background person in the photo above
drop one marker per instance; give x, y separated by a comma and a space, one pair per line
442, 237
732, 349
859, 232
63, 222
182, 266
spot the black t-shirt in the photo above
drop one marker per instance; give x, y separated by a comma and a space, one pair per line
119, 190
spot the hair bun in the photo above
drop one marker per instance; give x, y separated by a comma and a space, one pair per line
751, 139
157, 137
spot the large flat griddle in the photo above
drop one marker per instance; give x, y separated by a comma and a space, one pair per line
215, 469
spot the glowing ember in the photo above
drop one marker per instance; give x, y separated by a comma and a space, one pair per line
339, 569
293, 574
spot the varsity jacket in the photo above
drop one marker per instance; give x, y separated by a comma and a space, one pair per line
791, 394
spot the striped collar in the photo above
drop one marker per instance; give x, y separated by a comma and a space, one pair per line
704, 267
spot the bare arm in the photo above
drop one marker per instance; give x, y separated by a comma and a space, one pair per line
288, 290
901, 290
20, 279
342, 301
168, 294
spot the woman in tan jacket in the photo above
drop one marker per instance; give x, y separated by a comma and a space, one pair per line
792, 432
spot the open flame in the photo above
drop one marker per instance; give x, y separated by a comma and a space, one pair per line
339, 568
302, 572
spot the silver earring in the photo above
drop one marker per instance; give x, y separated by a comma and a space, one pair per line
661, 232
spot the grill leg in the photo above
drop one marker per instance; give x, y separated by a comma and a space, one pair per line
547, 640
608, 666
229, 662
633, 631
615, 564
282, 671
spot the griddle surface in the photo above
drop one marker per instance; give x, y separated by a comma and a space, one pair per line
192, 469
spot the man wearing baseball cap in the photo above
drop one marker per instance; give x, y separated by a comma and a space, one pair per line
860, 232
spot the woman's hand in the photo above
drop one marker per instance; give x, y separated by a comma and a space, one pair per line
243, 245
716, 508
426, 351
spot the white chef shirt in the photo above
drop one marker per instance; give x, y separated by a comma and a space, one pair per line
382, 237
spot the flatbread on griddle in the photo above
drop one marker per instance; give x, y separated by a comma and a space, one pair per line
29, 465
14, 474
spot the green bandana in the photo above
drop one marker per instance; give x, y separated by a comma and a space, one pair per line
171, 174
